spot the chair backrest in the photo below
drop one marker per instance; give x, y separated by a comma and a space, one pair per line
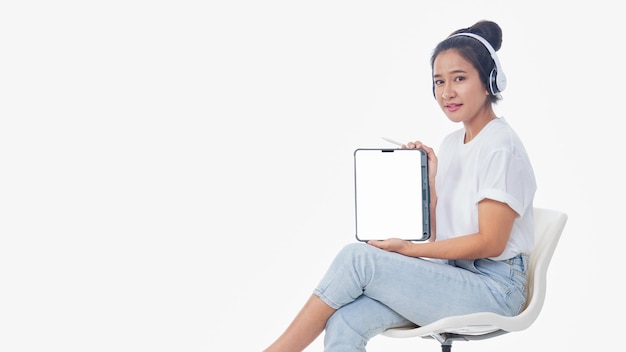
549, 225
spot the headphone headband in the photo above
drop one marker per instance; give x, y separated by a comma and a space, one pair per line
497, 79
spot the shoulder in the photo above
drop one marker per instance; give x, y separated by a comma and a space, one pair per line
499, 134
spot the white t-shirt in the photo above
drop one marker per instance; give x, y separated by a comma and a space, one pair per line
493, 165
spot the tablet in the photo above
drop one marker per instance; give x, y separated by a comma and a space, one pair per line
392, 194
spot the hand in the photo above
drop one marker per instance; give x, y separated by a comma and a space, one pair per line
432, 158
391, 245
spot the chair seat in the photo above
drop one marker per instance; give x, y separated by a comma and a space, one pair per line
470, 324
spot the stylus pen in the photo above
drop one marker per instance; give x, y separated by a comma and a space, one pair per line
392, 141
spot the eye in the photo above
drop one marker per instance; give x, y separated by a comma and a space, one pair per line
438, 82
459, 79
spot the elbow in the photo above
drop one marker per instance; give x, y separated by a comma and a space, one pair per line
494, 253
495, 250
492, 248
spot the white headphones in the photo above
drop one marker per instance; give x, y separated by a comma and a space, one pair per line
497, 79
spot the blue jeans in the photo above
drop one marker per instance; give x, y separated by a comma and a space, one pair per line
374, 290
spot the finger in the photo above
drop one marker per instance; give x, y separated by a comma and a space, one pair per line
415, 145
375, 243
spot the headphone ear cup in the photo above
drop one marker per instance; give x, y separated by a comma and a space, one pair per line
493, 82
500, 81
497, 81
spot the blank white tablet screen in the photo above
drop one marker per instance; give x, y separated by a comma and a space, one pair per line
391, 194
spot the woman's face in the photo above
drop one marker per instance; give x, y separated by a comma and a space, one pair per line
459, 90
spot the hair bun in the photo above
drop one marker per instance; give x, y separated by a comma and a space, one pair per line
489, 30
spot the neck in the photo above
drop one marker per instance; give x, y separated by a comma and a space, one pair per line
473, 127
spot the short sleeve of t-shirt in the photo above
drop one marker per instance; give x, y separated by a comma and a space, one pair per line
506, 177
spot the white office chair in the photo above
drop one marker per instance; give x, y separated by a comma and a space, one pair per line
549, 225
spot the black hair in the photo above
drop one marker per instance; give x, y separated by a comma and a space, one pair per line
474, 51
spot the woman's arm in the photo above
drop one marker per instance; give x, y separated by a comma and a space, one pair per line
495, 221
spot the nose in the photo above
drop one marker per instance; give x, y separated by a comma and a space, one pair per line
447, 92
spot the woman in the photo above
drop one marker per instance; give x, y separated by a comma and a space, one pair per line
482, 190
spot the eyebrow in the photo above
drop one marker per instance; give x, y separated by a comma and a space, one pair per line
452, 72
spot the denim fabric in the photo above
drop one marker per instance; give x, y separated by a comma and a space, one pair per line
374, 290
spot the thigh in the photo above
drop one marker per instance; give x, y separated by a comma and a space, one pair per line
420, 290
424, 290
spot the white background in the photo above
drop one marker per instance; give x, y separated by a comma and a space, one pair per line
176, 175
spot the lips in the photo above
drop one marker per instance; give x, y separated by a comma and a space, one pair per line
452, 107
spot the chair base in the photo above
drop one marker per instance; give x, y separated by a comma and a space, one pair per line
446, 339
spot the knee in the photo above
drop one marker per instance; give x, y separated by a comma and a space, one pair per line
354, 250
